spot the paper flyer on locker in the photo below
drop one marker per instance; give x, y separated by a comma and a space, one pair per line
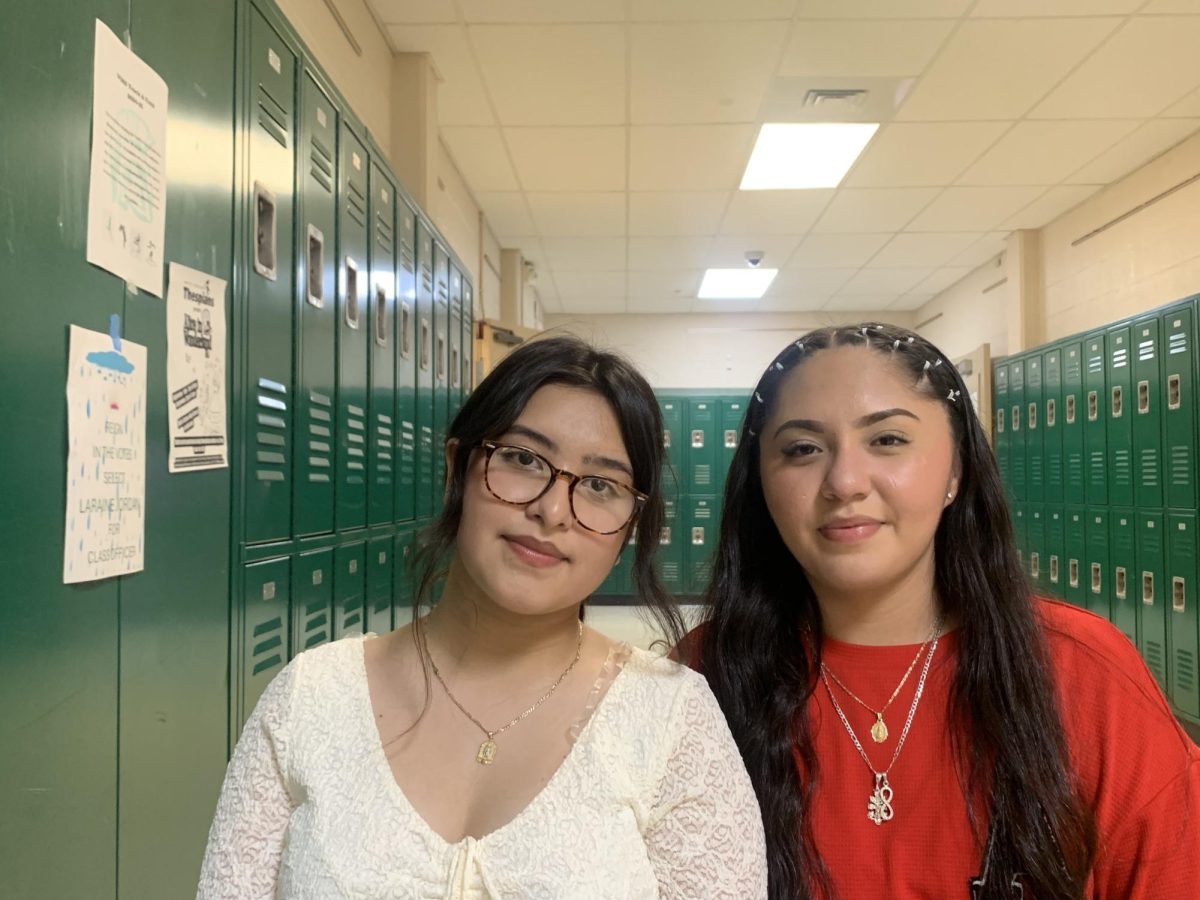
196, 370
127, 194
106, 457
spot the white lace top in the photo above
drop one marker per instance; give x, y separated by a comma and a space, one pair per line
652, 801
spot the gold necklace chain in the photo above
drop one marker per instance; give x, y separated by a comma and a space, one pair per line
879, 731
487, 750
879, 805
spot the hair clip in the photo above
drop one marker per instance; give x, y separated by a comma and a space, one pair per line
953, 395
778, 365
758, 397
910, 339
800, 346
895, 345
927, 366
751, 432
938, 363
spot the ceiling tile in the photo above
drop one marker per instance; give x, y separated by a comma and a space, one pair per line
568, 159
554, 74
986, 248
462, 99
726, 306
667, 283
689, 157
585, 254
998, 68
833, 251
480, 155
1045, 152
1189, 106
883, 281
1146, 66
923, 250
856, 210
882, 9
860, 302
594, 306
710, 10
506, 213
589, 285
659, 305
1154, 137
914, 154
730, 252
701, 72
810, 282
415, 11
942, 279
910, 302
676, 212
648, 253
863, 49
974, 208
578, 215
544, 11
789, 301
774, 212
1050, 206
1028, 9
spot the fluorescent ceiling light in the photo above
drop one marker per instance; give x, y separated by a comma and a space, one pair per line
736, 284
791, 156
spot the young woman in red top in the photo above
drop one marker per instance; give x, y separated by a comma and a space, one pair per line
915, 723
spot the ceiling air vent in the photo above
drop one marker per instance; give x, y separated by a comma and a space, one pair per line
838, 98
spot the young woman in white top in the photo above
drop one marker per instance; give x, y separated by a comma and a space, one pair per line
497, 747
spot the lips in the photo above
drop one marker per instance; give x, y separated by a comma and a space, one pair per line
539, 554
850, 529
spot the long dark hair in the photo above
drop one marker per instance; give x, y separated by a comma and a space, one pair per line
495, 405
1008, 733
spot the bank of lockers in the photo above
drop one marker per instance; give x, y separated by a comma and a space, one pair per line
1105, 425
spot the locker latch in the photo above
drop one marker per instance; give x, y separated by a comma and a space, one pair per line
1118, 405
1070, 409
1096, 578
1148, 588
730, 438
1173, 392
352, 319
264, 232
664, 535
317, 576
1093, 406
1016, 418
1000, 417
1143, 397
1120, 583
1178, 594
268, 591
381, 320
1053, 569
1051, 413
315, 289
1073, 573
424, 358
698, 536
405, 330
1033, 416
697, 438
1035, 565
666, 439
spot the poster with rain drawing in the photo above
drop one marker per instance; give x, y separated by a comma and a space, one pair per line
106, 458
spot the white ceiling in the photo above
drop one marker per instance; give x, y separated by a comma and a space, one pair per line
606, 138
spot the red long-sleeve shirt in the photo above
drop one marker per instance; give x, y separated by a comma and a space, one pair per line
1136, 768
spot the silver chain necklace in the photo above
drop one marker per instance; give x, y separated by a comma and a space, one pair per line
879, 806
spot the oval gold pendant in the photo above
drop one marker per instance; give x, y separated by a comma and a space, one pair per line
487, 753
879, 732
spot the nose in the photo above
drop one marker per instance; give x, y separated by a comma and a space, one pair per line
846, 476
553, 508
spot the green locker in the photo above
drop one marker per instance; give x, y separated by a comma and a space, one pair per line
441, 381
1035, 519
403, 589
406, 363
1000, 434
381, 373
1147, 420
1120, 408
351, 495
425, 377
670, 548
1054, 580
671, 408
1016, 426
1075, 520
701, 525
1071, 414
312, 599
618, 581
733, 409
349, 588
1178, 403
1035, 460
1123, 566
317, 316
1152, 619
454, 367
1184, 635
267, 477
1052, 426
379, 585
701, 450
1096, 563
265, 591
1096, 402
1021, 533
468, 339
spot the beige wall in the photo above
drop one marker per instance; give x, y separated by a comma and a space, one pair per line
705, 351
1146, 260
453, 210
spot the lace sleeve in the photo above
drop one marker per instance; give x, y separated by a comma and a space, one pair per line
705, 834
245, 842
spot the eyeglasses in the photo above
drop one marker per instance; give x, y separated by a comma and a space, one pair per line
518, 475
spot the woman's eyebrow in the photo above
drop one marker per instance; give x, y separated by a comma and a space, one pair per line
608, 462
864, 422
538, 438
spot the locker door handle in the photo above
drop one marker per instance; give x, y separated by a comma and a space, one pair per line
1033, 416
1148, 588
1070, 409
264, 232
1000, 417
698, 536
352, 319
441, 357
697, 439
1120, 583
405, 324
1093, 406
1053, 569
1016, 418
315, 289
664, 535
1118, 404
1173, 392
1178, 594
1051, 412
1073, 573
424, 344
730, 439
1035, 565
1096, 578
1143, 389
381, 320
666, 439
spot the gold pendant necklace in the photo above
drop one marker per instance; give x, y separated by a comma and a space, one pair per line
879, 804
879, 730
486, 754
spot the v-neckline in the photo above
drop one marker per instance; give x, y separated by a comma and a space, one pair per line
385, 769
